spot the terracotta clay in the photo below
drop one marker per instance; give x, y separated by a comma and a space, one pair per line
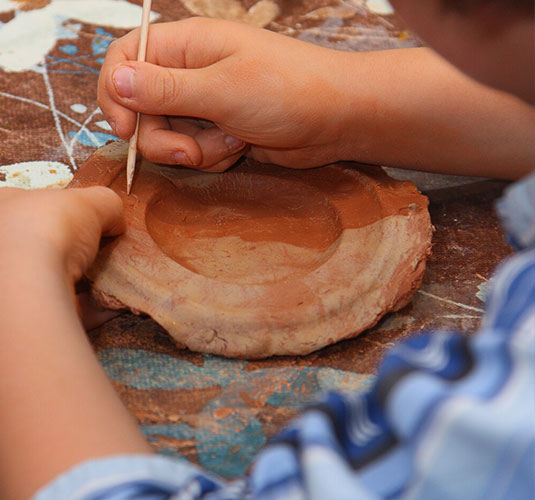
260, 260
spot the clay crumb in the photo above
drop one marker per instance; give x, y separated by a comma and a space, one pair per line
222, 412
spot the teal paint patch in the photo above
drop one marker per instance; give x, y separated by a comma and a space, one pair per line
297, 391
175, 431
86, 139
227, 434
228, 453
147, 370
74, 61
226, 449
287, 386
231, 435
69, 32
100, 44
69, 49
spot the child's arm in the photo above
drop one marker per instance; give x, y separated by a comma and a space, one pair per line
300, 105
57, 407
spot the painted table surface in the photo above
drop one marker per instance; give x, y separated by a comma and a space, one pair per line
213, 411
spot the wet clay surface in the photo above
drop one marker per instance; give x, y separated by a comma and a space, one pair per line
260, 260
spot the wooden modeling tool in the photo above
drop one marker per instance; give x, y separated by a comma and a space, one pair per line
141, 53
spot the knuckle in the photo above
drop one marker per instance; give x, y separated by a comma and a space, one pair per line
220, 166
167, 89
144, 145
196, 22
145, 150
114, 45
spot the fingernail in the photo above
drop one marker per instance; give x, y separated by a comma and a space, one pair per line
233, 144
182, 158
123, 78
112, 124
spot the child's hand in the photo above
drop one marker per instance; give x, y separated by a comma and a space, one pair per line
58, 395
283, 97
61, 229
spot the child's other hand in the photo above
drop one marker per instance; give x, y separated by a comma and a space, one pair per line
283, 98
61, 229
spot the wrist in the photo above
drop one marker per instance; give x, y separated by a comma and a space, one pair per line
25, 262
350, 108
26, 244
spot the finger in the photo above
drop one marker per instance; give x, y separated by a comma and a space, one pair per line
219, 150
91, 313
121, 119
190, 43
159, 144
224, 164
190, 126
106, 205
157, 90
215, 145
186, 144
197, 122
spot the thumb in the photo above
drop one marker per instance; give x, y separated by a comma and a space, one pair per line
106, 205
156, 90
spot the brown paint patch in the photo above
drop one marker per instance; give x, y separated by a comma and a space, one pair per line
33, 4
223, 412
156, 406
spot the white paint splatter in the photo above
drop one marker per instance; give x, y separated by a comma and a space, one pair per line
52, 101
79, 108
483, 290
114, 13
452, 302
35, 175
83, 129
7, 6
39, 105
20, 52
460, 316
330, 379
381, 7
103, 125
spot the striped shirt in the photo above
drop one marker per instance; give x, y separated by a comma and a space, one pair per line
449, 417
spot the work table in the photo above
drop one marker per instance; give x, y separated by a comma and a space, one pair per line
214, 411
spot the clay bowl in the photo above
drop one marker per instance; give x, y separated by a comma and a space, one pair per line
260, 260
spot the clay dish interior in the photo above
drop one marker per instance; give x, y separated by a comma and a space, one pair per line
260, 260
